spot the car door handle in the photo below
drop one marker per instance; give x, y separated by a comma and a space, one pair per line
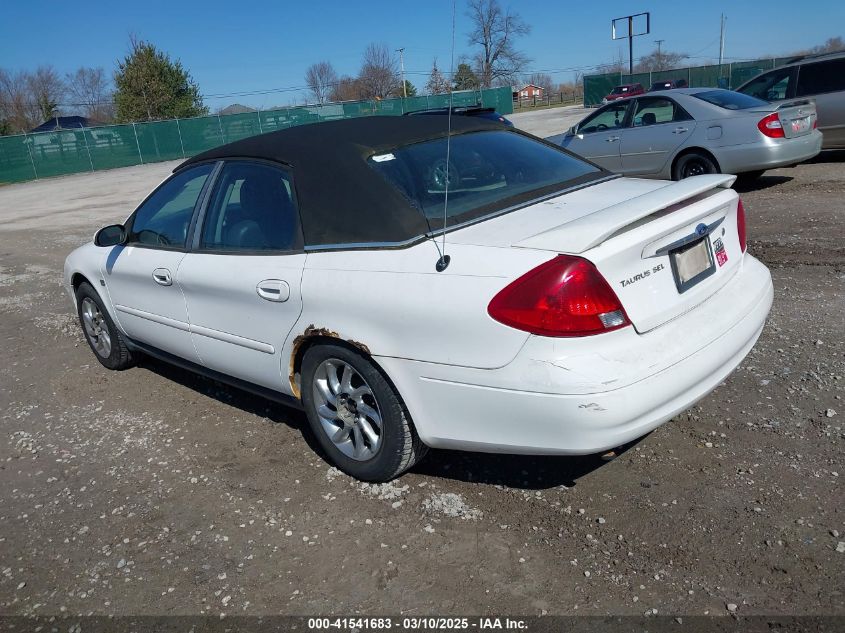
273, 290
680, 130
162, 277
612, 139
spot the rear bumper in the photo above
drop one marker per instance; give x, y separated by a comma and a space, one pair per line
769, 154
580, 396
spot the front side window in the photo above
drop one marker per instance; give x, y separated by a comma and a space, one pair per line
486, 172
772, 86
821, 77
609, 117
163, 219
252, 208
652, 111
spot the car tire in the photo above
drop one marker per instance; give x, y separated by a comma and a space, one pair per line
693, 164
103, 337
356, 414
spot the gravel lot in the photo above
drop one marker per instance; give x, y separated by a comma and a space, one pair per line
153, 491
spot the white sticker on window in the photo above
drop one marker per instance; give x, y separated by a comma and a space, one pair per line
383, 158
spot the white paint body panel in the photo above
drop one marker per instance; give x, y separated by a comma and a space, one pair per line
467, 380
234, 330
145, 310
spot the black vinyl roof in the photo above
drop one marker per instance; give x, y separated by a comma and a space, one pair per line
342, 200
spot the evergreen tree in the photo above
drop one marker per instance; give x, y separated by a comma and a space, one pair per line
465, 79
150, 86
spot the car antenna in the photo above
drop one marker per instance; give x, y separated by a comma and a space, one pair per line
443, 262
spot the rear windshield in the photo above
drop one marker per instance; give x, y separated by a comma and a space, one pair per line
618, 90
730, 100
487, 171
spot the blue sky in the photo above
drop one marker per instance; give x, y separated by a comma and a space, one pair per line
232, 47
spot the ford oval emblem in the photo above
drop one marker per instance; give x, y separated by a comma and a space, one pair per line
701, 229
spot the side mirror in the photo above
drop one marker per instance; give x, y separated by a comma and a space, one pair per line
110, 235
572, 131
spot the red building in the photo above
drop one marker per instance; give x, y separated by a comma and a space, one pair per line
529, 91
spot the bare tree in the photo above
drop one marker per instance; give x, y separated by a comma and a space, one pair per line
543, 80
321, 79
831, 45
437, 84
17, 112
346, 89
494, 32
90, 91
379, 76
46, 91
659, 60
618, 65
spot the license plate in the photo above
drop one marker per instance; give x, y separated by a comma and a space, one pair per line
692, 263
801, 125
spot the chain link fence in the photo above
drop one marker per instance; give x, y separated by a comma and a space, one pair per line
30, 156
733, 75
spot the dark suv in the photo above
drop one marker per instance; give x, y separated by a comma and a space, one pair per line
820, 77
669, 84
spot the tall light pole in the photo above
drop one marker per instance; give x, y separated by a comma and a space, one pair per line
401, 52
722, 20
659, 56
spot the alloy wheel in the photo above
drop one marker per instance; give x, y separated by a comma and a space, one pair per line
347, 409
96, 328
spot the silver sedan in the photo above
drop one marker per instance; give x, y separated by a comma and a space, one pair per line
696, 131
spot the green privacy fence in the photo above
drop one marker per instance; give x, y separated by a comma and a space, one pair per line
732, 75
29, 156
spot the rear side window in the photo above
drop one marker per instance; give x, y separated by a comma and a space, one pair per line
486, 172
729, 100
656, 110
163, 218
252, 208
821, 77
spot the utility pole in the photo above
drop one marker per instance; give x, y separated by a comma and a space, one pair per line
659, 56
401, 52
722, 20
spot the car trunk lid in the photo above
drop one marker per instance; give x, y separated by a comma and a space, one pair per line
796, 117
663, 251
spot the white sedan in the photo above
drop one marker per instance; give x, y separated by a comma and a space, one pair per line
572, 311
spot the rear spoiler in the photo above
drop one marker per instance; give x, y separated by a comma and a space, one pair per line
795, 102
591, 230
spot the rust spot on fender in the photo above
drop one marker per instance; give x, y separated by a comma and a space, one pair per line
310, 332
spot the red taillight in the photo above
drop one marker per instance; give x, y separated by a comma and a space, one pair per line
771, 126
566, 296
740, 225
815, 123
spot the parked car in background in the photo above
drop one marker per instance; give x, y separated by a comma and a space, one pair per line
669, 84
693, 131
820, 77
623, 91
571, 316
474, 111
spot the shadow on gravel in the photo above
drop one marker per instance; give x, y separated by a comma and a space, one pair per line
235, 397
828, 156
529, 472
763, 182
